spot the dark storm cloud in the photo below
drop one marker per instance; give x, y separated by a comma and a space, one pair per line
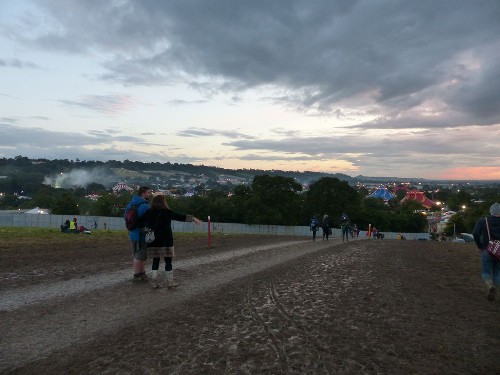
38, 143
16, 136
427, 145
392, 53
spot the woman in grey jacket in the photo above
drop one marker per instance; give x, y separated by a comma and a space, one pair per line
490, 265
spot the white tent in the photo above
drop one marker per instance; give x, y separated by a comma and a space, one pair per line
38, 211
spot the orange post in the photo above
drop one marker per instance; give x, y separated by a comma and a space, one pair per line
209, 235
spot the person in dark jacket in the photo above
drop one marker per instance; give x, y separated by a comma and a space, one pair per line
490, 265
344, 226
314, 226
159, 219
325, 225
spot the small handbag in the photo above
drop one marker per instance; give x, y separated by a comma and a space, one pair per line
493, 245
150, 236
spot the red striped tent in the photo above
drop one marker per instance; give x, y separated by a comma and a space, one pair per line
418, 196
121, 186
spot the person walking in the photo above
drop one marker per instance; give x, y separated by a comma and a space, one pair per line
487, 228
314, 226
159, 219
137, 235
325, 226
344, 226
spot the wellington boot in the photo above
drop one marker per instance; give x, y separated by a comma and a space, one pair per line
155, 283
170, 279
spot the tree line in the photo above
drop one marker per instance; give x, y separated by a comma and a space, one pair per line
274, 200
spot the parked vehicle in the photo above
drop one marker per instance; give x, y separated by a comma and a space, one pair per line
463, 238
467, 237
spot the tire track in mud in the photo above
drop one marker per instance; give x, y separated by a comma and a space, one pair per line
277, 346
20, 298
284, 313
33, 331
279, 311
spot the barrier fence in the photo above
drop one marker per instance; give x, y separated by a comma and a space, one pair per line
117, 223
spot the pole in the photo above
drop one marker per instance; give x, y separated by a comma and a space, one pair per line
369, 234
209, 235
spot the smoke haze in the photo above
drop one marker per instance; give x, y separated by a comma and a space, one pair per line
78, 178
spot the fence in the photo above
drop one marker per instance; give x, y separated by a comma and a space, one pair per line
117, 223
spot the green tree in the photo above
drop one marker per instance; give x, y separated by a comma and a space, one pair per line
331, 196
455, 224
457, 201
240, 203
44, 197
275, 200
9, 202
122, 200
95, 188
66, 204
214, 204
270, 200
104, 205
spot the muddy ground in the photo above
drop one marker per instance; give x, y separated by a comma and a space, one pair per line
303, 307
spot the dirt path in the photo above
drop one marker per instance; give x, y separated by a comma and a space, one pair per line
365, 307
97, 304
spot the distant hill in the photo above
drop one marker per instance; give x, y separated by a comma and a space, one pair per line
21, 173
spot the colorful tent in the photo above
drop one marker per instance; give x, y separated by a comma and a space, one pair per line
398, 188
418, 196
122, 186
383, 193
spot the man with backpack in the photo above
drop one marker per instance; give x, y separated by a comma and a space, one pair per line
314, 226
134, 211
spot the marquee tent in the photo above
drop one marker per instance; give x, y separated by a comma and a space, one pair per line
398, 188
122, 186
418, 196
38, 210
383, 193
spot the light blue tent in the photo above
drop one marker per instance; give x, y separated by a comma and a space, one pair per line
383, 193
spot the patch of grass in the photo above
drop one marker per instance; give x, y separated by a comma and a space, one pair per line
49, 233
53, 233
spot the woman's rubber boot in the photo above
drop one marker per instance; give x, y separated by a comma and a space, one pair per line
170, 279
155, 283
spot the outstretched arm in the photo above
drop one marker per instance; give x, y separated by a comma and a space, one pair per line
190, 218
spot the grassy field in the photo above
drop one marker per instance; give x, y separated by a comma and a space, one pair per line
22, 240
48, 233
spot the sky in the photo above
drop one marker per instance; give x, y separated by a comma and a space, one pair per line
376, 88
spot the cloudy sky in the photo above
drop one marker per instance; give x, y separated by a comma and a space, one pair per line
377, 88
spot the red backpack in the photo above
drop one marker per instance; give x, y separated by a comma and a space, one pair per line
132, 221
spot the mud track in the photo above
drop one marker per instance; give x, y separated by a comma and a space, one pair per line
258, 306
